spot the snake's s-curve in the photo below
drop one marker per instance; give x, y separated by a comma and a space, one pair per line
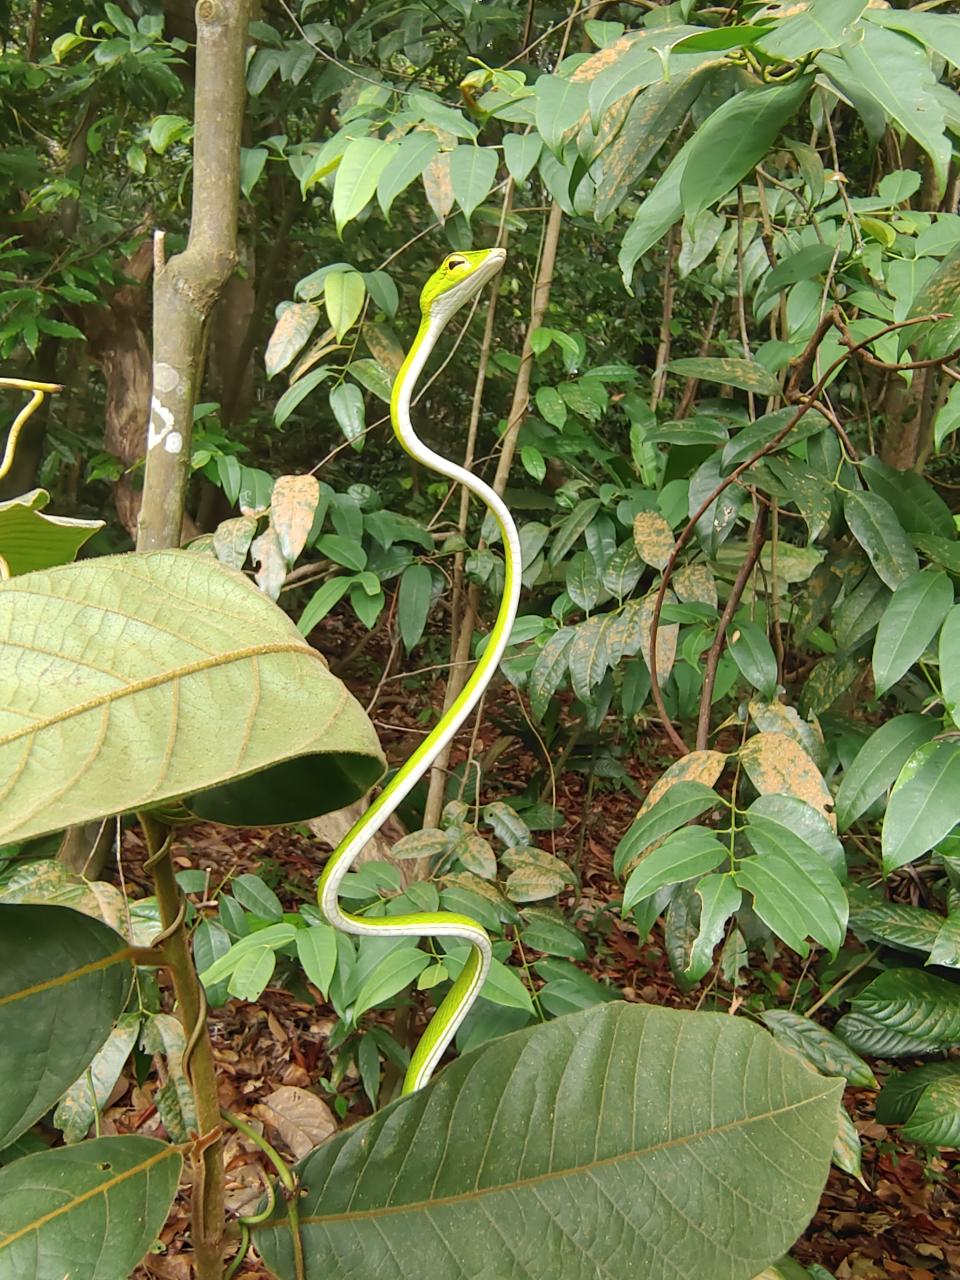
458, 279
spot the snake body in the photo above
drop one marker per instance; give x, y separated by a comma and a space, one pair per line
457, 280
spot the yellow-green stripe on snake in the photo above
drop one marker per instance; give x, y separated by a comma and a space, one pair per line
458, 279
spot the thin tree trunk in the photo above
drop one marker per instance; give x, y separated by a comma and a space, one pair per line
186, 287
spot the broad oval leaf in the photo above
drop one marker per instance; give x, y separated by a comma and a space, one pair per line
294, 326
729, 371
910, 621
776, 764
735, 138
408, 161
64, 980
357, 176
878, 762
689, 852
923, 805
472, 173
90, 1211
160, 676
344, 293
753, 654
874, 524
579, 1147
293, 505
683, 801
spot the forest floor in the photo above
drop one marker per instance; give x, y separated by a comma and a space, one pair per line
901, 1220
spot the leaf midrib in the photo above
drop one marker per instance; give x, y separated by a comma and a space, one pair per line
104, 1188
552, 1175
156, 681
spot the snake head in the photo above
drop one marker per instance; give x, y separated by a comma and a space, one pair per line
457, 279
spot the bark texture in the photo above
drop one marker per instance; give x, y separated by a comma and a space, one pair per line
186, 287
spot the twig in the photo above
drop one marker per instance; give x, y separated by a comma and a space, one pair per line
713, 657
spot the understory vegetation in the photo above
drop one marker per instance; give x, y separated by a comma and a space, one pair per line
709, 810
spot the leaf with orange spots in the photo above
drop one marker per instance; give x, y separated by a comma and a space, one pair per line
667, 634
292, 508
697, 766
695, 584
777, 765
653, 538
438, 185
776, 717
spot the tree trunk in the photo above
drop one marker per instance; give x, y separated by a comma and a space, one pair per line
186, 287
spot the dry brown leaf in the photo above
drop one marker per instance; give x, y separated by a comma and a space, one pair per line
777, 765
292, 508
266, 553
384, 345
301, 1118
438, 185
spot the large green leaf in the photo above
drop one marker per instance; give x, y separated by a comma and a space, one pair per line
131, 680
950, 664
684, 854
363, 161
910, 621
810, 25
874, 524
683, 801
918, 506
878, 762
549, 1155
896, 74
735, 138
30, 540
924, 806
826, 1051
89, 1212
64, 979
473, 171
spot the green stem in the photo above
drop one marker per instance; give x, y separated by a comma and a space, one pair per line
207, 1207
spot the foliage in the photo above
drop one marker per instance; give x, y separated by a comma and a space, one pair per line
736, 453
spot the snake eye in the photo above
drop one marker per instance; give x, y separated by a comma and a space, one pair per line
455, 261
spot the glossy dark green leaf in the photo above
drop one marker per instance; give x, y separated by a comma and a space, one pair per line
753, 654
682, 855
683, 801
897, 924
950, 664
566, 1114
827, 1052
903, 1013
923, 806
917, 505
794, 891
910, 621
874, 524
89, 1211
902, 1090
64, 980
877, 764
346, 403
